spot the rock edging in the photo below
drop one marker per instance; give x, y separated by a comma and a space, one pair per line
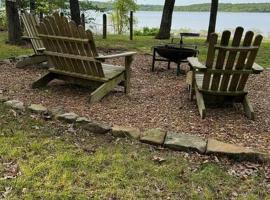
158, 137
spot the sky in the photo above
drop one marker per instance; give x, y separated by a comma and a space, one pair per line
187, 2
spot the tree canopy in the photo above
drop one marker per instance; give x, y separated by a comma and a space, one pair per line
120, 14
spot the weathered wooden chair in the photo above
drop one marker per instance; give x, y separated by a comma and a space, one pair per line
226, 72
30, 22
72, 52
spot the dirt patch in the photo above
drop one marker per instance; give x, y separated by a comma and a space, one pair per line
158, 99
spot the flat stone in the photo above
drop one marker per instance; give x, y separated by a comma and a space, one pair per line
119, 131
82, 120
183, 142
6, 61
3, 98
57, 111
96, 127
153, 136
235, 151
15, 104
37, 108
67, 117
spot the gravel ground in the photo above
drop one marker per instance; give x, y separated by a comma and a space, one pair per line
158, 99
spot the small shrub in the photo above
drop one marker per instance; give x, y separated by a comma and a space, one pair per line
3, 20
146, 32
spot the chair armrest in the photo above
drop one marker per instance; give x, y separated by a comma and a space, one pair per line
126, 54
41, 50
257, 68
195, 64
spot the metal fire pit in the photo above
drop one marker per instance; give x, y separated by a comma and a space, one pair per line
175, 54
170, 54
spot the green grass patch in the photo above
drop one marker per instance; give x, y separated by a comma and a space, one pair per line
142, 44
8, 51
57, 164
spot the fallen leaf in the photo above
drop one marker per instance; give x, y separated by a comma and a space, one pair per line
158, 159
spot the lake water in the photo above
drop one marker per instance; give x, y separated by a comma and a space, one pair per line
198, 21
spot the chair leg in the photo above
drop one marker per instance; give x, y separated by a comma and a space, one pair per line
178, 69
31, 60
128, 62
191, 93
190, 83
105, 88
200, 103
154, 60
169, 64
44, 80
193, 82
248, 108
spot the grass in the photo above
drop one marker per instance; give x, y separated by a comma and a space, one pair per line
8, 51
142, 44
58, 163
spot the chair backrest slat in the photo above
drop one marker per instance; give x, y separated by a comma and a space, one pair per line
225, 39
249, 63
232, 57
210, 59
30, 23
64, 46
69, 46
226, 60
53, 45
241, 61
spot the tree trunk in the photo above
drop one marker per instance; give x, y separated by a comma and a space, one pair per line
213, 18
32, 6
75, 11
166, 22
14, 26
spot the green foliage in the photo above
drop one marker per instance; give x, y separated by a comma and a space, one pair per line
146, 32
3, 20
88, 5
120, 14
48, 6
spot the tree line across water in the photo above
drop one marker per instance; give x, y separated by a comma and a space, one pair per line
223, 7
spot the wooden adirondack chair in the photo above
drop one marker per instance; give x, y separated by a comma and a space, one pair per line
226, 72
72, 52
30, 22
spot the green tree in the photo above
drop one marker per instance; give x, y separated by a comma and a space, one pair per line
120, 14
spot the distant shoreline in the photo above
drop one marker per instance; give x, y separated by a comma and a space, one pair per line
223, 7
205, 7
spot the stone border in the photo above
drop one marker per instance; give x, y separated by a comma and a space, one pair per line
157, 137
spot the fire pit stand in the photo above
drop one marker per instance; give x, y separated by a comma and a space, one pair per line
174, 53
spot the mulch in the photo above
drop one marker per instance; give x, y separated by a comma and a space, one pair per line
157, 99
